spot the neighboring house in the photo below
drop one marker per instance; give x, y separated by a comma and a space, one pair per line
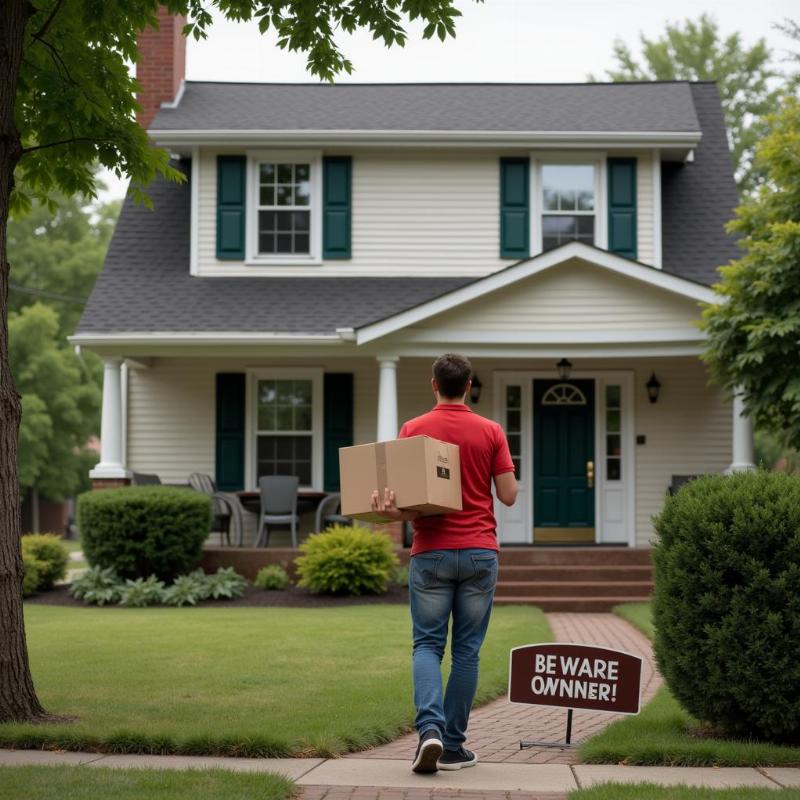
331, 240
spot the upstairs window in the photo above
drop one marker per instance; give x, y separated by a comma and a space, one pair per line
568, 204
284, 209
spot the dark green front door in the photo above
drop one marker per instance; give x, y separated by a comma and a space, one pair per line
563, 461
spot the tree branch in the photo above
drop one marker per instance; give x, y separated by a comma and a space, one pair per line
49, 21
63, 141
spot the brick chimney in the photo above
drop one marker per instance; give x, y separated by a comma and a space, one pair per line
162, 64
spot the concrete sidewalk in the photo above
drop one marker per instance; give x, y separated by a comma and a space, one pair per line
390, 778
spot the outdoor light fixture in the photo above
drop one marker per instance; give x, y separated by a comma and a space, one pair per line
475, 391
653, 388
564, 367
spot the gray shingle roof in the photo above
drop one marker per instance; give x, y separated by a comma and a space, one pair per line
698, 198
639, 107
145, 285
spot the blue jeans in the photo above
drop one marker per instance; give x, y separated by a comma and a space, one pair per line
441, 583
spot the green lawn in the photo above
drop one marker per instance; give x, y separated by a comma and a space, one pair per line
240, 681
666, 734
646, 791
96, 783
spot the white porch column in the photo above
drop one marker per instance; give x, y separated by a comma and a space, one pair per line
387, 398
111, 458
743, 454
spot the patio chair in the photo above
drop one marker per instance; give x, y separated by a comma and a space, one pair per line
145, 479
678, 481
329, 512
278, 505
226, 507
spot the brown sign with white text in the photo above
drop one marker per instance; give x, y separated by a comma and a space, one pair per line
575, 676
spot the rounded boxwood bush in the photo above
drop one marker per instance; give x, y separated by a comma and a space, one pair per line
49, 550
727, 602
32, 570
140, 531
346, 560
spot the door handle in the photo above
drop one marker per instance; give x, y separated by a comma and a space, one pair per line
590, 474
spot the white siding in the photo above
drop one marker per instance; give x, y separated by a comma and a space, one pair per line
415, 212
574, 296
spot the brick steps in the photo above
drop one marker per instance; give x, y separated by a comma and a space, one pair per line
580, 579
573, 589
573, 604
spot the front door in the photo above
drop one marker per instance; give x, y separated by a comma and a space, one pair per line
563, 461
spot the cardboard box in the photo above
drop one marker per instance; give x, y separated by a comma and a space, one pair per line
424, 473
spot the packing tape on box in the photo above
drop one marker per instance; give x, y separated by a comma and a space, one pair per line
380, 467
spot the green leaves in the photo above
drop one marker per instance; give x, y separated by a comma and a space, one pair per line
754, 332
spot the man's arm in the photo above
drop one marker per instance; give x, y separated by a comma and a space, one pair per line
506, 488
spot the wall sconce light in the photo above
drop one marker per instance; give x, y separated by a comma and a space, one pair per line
564, 367
475, 391
653, 388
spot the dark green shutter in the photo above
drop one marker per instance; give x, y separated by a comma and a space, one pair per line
336, 206
338, 423
622, 206
514, 208
230, 431
231, 204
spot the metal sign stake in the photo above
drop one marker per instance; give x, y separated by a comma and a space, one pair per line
527, 745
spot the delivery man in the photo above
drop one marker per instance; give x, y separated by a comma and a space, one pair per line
453, 567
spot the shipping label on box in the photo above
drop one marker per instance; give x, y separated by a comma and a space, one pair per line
424, 473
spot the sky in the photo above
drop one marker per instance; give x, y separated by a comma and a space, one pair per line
497, 40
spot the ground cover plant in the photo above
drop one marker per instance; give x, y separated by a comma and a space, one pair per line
665, 733
58, 783
238, 681
272, 578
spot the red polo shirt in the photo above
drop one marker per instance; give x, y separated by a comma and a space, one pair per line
483, 451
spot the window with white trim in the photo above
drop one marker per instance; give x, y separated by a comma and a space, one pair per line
513, 426
285, 428
568, 204
284, 208
613, 432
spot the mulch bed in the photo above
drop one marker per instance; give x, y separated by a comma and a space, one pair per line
292, 597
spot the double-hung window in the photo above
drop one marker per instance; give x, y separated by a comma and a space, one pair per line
286, 217
568, 203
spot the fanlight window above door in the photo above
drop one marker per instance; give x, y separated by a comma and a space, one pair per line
563, 394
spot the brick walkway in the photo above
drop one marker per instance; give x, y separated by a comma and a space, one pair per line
378, 793
496, 729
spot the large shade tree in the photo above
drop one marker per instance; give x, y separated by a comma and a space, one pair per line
748, 82
754, 332
67, 102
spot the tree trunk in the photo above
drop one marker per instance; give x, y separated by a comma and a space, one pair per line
18, 699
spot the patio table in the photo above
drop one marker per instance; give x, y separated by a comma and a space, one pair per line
251, 500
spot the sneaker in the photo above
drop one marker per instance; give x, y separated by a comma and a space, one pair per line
456, 759
429, 750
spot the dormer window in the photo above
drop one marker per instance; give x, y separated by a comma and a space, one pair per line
568, 204
284, 220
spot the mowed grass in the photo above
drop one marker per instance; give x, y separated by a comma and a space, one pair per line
648, 791
664, 733
240, 681
97, 783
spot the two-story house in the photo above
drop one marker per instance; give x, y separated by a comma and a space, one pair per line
331, 240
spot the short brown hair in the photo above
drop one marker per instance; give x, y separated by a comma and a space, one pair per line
452, 373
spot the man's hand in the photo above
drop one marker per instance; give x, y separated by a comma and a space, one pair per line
387, 505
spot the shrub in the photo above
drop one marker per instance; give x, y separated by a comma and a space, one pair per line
144, 530
97, 586
142, 592
347, 560
272, 577
32, 570
49, 550
727, 601
401, 576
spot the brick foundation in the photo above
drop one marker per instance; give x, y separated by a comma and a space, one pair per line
110, 483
